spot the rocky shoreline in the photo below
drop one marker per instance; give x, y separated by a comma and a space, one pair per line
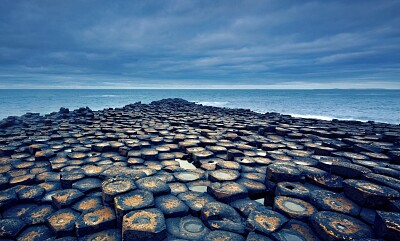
176, 170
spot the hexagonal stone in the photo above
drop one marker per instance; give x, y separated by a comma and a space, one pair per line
35, 233
348, 170
189, 227
368, 194
95, 220
336, 226
107, 235
38, 215
147, 224
223, 175
253, 236
22, 180
149, 154
292, 189
283, 173
92, 170
66, 198
187, 176
328, 181
294, 208
171, 206
137, 199
62, 222
153, 185
255, 189
87, 184
10, 227
220, 216
115, 186
18, 211
87, 203
177, 187
68, 178
387, 225
201, 155
232, 153
265, 222
228, 165
295, 230
195, 200
246, 206
223, 235
330, 201
227, 191
101, 147
383, 180
31, 194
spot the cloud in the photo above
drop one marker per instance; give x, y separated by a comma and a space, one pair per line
222, 43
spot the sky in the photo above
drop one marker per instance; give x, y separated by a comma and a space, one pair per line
200, 44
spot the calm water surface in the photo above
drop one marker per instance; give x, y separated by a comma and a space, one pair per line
377, 105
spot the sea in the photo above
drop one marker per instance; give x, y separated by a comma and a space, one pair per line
365, 105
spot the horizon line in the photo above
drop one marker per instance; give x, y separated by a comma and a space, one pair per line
149, 88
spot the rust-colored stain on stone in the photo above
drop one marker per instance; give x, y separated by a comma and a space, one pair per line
98, 216
61, 220
133, 201
267, 222
148, 221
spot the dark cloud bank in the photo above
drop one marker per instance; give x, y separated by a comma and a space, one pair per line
199, 44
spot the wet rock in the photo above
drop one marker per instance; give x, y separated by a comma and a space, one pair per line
35, 233
295, 230
38, 215
223, 175
223, 235
147, 224
368, 215
187, 176
62, 222
246, 206
137, 199
109, 235
265, 222
115, 186
219, 216
11, 227
153, 185
335, 226
227, 191
87, 184
348, 170
188, 227
195, 201
330, 201
171, 206
177, 187
66, 198
328, 181
294, 208
370, 195
31, 194
252, 236
282, 173
95, 220
87, 203
387, 225
18, 211
292, 189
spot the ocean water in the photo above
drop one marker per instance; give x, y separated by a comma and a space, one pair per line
364, 105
